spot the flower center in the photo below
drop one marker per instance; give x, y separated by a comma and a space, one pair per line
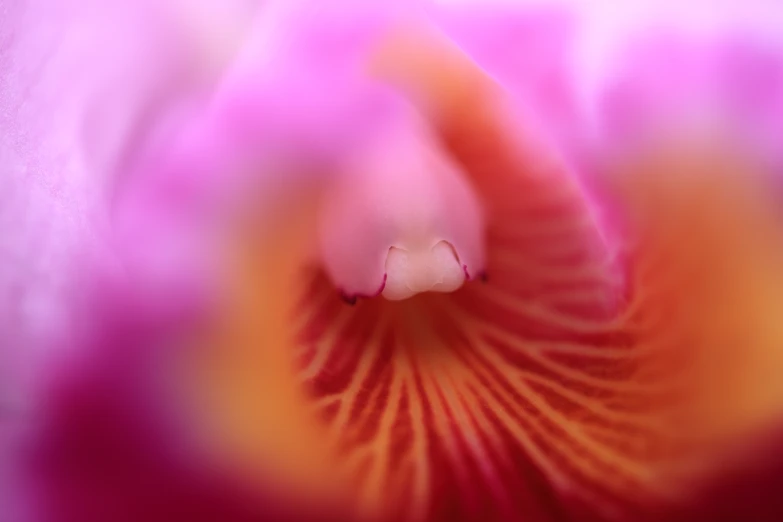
568, 373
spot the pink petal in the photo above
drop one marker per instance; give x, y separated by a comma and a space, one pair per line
77, 88
678, 81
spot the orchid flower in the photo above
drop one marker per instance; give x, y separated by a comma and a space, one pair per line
367, 262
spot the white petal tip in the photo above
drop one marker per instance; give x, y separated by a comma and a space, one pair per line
410, 272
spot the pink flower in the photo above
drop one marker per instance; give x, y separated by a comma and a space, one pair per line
378, 266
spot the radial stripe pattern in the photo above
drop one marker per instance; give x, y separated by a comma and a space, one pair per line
483, 402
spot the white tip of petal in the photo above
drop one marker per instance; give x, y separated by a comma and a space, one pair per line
411, 272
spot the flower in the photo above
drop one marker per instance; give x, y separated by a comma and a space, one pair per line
380, 271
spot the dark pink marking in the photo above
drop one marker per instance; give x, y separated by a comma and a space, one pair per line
352, 298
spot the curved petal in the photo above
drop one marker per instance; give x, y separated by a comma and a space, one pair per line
529, 51
77, 87
692, 123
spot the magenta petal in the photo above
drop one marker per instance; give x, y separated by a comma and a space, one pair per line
78, 87
105, 451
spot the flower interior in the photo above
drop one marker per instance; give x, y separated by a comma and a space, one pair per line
500, 352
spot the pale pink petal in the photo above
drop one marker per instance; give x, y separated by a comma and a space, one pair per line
676, 82
77, 90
